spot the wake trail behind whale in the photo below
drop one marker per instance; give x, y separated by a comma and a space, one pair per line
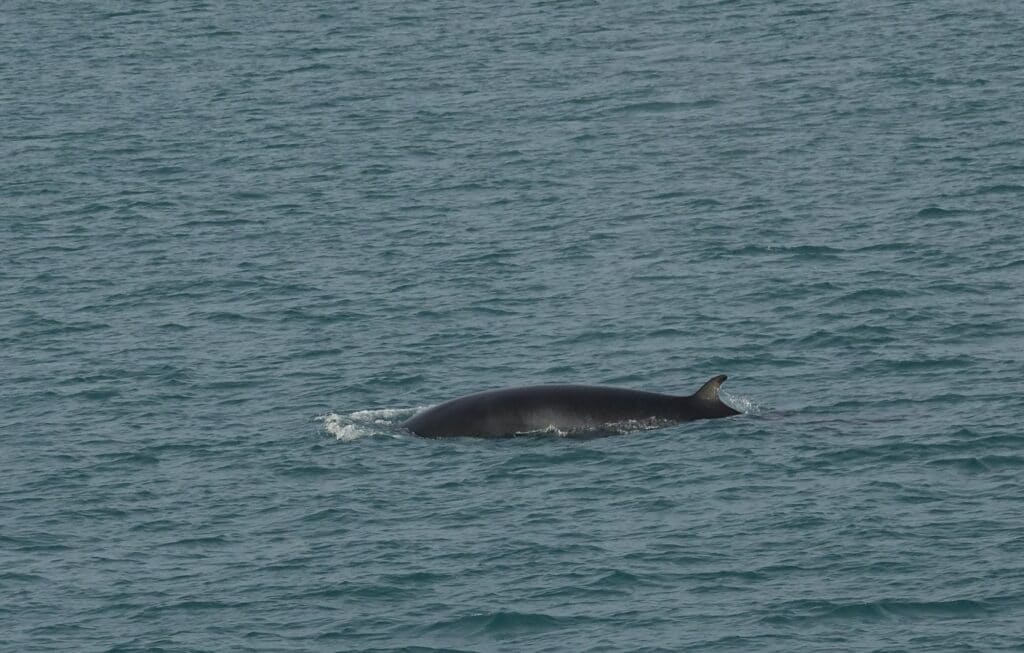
349, 427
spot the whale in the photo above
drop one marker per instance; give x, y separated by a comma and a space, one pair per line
567, 409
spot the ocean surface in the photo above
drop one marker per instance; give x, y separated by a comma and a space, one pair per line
241, 242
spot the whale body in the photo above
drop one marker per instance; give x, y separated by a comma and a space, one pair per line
565, 408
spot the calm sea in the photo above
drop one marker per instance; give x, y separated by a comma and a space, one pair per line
241, 242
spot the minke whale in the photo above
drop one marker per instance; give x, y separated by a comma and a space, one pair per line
568, 409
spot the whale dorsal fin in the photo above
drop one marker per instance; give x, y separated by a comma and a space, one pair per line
709, 391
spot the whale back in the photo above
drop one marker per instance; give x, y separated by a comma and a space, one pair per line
566, 408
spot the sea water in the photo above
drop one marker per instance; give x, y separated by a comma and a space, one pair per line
240, 243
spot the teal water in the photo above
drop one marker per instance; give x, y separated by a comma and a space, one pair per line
241, 242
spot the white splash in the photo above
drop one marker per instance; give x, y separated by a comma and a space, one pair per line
743, 404
363, 423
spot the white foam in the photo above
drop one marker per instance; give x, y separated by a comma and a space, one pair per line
743, 404
335, 425
364, 423
381, 416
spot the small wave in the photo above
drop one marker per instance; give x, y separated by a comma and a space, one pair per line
937, 212
651, 107
502, 623
882, 609
1014, 189
363, 423
982, 464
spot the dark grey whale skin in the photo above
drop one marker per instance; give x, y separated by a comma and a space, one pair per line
568, 408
